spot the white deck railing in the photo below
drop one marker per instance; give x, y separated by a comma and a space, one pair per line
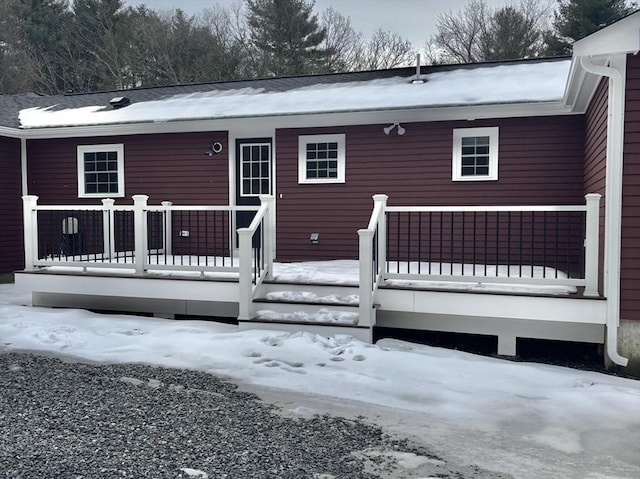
479, 244
259, 238
145, 238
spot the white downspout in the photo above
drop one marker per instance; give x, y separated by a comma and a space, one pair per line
613, 202
23, 166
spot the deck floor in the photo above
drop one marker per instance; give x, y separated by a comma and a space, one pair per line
346, 272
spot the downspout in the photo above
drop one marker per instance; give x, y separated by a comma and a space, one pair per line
613, 202
23, 166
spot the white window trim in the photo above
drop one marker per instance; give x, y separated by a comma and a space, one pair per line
302, 157
82, 149
458, 134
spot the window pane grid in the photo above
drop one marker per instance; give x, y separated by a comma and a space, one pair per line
101, 172
256, 170
475, 156
322, 160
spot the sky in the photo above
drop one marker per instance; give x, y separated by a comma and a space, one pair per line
524, 419
413, 19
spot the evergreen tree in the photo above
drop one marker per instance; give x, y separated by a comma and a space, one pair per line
512, 34
575, 19
286, 36
97, 49
42, 26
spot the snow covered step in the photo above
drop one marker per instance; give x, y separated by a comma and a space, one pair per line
307, 315
306, 308
318, 289
313, 297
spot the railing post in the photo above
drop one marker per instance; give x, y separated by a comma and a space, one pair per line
365, 289
245, 283
382, 232
108, 233
30, 215
591, 244
167, 225
140, 232
269, 234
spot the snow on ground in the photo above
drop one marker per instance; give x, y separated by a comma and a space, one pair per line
527, 419
526, 82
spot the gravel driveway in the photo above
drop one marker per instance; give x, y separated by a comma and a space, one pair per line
62, 419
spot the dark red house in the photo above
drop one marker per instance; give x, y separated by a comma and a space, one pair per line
486, 168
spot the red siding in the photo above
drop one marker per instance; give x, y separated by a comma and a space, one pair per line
540, 162
595, 160
630, 271
11, 252
170, 167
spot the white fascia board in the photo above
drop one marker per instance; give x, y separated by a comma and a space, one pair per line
10, 132
581, 86
369, 117
619, 38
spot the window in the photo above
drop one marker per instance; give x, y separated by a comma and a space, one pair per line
256, 169
475, 154
101, 170
321, 158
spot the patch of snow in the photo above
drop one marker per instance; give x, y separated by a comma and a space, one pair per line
309, 297
530, 419
195, 473
346, 272
323, 315
497, 84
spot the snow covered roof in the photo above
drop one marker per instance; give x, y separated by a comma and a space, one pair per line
467, 85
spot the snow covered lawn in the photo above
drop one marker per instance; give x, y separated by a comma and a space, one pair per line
525, 419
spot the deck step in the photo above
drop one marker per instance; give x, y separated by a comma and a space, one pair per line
320, 289
362, 333
311, 296
306, 312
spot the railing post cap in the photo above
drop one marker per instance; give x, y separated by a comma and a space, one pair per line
30, 198
366, 232
108, 201
380, 197
166, 203
137, 198
264, 198
593, 196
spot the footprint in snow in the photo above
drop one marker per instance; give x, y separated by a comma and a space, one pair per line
261, 360
297, 371
358, 357
272, 364
271, 341
337, 359
321, 364
254, 355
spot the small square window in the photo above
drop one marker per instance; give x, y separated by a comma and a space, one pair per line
321, 158
475, 154
101, 170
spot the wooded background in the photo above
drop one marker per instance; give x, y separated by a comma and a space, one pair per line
58, 46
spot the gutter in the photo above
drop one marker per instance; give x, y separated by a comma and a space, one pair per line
613, 204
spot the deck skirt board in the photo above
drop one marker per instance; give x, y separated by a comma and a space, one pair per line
326, 308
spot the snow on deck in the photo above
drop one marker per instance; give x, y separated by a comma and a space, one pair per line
346, 272
507, 83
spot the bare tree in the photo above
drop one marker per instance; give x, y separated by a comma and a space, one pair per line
478, 33
344, 43
386, 50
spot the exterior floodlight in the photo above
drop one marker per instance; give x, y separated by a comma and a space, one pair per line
401, 130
